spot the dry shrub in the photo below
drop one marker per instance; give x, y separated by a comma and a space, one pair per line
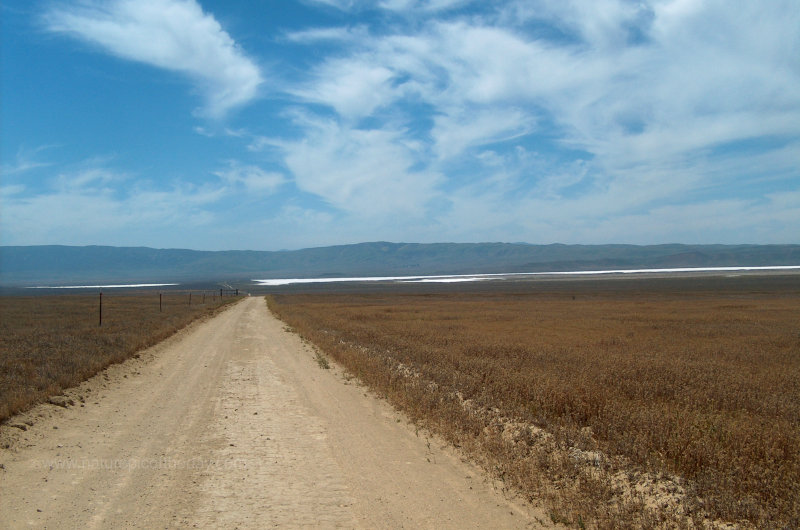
633, 408
50, 343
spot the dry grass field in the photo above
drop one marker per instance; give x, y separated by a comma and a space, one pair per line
49, 343
634, 407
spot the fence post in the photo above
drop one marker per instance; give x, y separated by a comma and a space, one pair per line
190, 298
100, 311
160, 310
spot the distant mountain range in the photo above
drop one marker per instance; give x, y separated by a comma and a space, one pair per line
62, 265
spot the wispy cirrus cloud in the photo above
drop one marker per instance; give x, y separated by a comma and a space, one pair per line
368, 173
353, 88
463, 128
408, 6
26, 160
252, 178
636, 107
342, 34
176, 35
430, 120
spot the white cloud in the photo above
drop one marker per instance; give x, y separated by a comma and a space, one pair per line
253, 178
354, 88
89, 215
333, 34
715, 221
11, 189
413, 6
638, 100
574, 121
493, 65
770, 219
365, 171
172, 34
454, 133
202, 131
90, 178
704, 74
596, 24
260, 143
25, 161
409, 6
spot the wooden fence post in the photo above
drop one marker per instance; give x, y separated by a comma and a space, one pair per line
100, 312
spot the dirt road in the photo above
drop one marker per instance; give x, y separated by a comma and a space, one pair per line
231, 423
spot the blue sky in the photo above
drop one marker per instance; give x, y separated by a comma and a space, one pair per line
280, 124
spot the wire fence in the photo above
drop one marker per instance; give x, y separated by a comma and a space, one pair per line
176, 297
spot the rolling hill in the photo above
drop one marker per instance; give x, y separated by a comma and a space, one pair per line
61, 265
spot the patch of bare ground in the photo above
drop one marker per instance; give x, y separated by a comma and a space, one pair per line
629, 409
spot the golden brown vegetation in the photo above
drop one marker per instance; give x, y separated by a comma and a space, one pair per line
49, 343
632, 408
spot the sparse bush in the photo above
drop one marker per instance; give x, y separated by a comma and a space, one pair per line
322, 361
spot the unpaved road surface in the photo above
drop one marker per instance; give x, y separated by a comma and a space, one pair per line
231, 423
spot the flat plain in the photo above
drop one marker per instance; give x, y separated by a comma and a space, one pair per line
232, 423
49, 343
619, 402
668, 401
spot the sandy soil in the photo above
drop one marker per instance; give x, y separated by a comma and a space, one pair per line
231, 423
